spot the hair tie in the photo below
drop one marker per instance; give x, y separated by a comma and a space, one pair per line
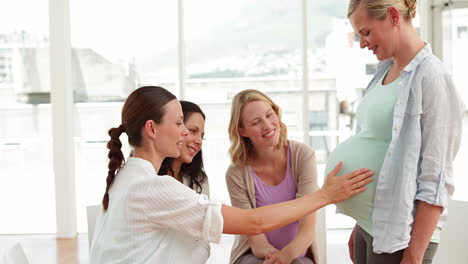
122, 128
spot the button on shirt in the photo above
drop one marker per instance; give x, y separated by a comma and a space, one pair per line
153, 219
427, 122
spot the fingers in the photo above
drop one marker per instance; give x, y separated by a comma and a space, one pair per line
355, 173
269, 255
271, 260
360, 190
335, 170
361, 180
338, 189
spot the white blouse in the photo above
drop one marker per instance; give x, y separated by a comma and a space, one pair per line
202, 250
153, 219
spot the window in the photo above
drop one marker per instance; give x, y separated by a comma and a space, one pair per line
27, 188
462, 32
5, 69
135, 45
456, 56
238, 45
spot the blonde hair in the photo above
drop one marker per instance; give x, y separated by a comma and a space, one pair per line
241, 149
378, 8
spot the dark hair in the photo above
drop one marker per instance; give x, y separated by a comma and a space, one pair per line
143, 104
195, 169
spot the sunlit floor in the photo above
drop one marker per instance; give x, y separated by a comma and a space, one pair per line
46, 249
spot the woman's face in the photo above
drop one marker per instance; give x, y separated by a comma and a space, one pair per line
170, 131
260, 124
376, 35
195, 125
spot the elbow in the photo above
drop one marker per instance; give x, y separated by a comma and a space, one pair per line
257, 224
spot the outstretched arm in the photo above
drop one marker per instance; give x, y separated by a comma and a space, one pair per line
264, 219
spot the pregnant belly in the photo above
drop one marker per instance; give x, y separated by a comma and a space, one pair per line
357, 153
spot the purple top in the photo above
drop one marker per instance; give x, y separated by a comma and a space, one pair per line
285, 191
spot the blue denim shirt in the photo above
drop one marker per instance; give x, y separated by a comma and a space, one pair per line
427, 124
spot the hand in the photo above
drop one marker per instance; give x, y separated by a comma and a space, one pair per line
410, 257
351, 246
265, 252
338, 189
279, 257
260, 246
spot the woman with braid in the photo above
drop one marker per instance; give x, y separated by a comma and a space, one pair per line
146, 218
408, 133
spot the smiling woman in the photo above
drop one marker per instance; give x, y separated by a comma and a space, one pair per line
267, 168
150, 218
188, 167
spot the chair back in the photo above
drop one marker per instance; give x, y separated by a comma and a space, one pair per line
92, 213
14, 255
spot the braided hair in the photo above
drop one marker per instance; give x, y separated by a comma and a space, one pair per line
143, 104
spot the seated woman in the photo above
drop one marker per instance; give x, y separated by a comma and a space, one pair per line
267, 168
188, 167
146, 218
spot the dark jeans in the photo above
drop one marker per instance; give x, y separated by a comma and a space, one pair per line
363, 251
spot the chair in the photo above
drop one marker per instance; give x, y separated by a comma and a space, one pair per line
91, 213
453, 247
14, 255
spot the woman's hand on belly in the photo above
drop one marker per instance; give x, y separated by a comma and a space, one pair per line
338, 189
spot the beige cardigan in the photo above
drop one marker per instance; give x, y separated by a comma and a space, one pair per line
242, 190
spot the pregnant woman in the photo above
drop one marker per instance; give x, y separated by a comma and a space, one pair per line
408, 133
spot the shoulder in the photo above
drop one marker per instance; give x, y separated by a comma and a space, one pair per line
235, 172
303, 166
237, 177
431, 67
155, 184
154, 193
433, 78
300, 149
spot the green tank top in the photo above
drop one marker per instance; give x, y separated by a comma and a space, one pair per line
367, 149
